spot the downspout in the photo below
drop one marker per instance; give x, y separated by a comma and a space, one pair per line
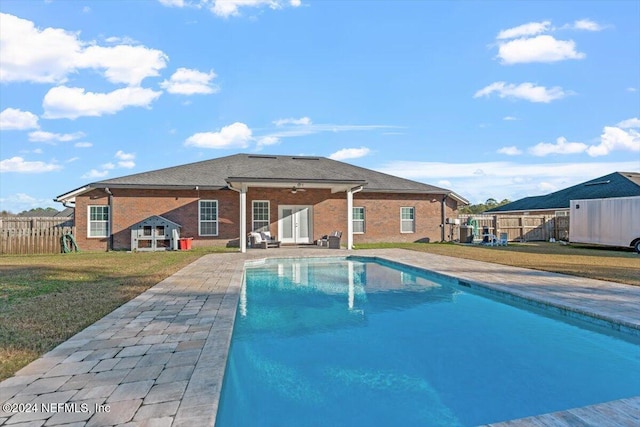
443, 208
110, 204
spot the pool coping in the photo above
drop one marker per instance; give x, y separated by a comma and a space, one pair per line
207, 292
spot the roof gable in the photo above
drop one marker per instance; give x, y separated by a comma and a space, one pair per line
617, 184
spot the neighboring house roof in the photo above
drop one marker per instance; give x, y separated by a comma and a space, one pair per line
221, 172
66, 212
617, 184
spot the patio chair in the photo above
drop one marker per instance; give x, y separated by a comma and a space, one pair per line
503, 240
332, 241
263, 240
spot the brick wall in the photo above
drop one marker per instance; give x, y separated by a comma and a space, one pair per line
382, 217
382, 214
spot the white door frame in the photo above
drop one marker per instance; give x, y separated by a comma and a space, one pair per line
296, 228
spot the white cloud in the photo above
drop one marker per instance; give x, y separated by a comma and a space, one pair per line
226, 8
632, 89
16, 119
189, 82
83, 144
530, 29
71, 103
125, 160
172, 3
20, 165
236, 135
562, 146
527, 91
19, 202
614, 138
123, 63
350, 153
30, 54
266, 141
547, 187
504, 180
303, 121
629, 123
587, 25
510, 118
42, 136
295, 3
94, 173
542, 48
296, 130
124, 156
510, 151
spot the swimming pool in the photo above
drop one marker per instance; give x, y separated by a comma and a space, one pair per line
350, 342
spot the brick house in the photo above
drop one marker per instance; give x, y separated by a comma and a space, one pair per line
297, 198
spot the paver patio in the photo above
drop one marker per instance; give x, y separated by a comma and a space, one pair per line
159, 359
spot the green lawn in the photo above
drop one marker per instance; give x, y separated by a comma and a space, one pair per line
46, 299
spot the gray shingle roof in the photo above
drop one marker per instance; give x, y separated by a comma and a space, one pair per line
214, 173
617, 184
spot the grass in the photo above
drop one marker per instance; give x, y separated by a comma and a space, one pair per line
46, 299
596, 263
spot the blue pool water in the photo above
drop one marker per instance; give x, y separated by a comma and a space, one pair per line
341, 342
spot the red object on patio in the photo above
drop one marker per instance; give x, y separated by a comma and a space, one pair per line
185, 243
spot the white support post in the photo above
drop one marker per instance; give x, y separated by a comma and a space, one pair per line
350, 219
243, 219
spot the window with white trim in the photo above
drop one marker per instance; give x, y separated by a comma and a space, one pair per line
407, 220
98, 221
208, 217
260, 221
358, 220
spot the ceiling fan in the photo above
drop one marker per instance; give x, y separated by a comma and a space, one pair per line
295, 189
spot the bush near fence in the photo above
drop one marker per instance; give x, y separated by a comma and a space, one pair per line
26, 236
523, 228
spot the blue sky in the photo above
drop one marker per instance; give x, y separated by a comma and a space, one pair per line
489, 99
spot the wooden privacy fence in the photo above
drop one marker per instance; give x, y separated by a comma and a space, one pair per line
21, 222
28, 241
523, 227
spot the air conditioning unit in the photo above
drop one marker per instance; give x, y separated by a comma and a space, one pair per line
454, 221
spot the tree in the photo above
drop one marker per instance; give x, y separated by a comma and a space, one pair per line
481, 207
39, 212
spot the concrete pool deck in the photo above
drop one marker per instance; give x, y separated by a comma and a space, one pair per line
159, 359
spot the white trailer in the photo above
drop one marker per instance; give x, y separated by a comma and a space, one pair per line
611, 222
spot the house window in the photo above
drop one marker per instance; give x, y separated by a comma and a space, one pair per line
208, 218
260, 215
562, 213
98, 224
407, 220
358, 220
